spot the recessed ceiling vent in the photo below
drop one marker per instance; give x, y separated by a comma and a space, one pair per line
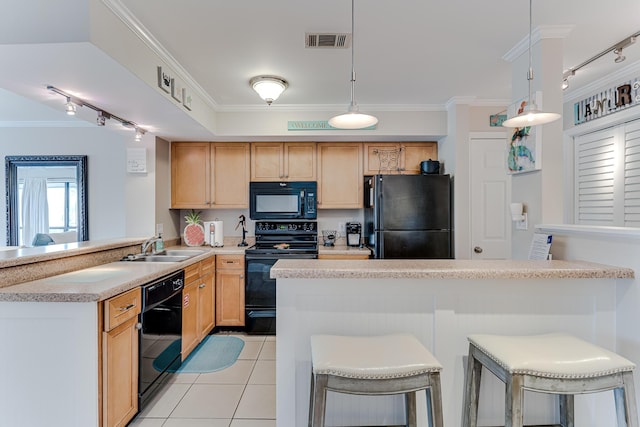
327, 40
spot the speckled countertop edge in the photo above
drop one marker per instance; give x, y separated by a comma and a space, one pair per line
120, 277
446, 269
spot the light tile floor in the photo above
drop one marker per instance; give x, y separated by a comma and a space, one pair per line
242, 395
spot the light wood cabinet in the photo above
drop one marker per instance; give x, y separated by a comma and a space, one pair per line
198, 304
190, 309
206, 297
340, 178
230, 290
210, 175
120, 358
397, 158
283, 161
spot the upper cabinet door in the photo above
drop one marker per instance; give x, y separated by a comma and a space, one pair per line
190, 175
230, 175
267, 161
283, 161
300, 161
340, 180
397, 158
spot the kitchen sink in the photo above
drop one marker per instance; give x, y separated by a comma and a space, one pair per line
170, 255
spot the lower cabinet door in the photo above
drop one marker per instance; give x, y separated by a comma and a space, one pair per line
190, 335
230, 297
120, 376
206, 305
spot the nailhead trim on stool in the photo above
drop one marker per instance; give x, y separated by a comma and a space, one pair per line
379, 365
551, 363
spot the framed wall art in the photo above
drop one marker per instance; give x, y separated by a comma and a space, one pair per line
525, 147
176, 90
164, 80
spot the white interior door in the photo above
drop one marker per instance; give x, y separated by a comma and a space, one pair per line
490, 197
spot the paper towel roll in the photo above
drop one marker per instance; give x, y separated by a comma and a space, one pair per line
218, 234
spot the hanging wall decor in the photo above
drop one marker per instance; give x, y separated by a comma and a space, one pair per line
524, 149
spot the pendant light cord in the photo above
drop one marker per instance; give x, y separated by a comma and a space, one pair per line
353, 68
530, 72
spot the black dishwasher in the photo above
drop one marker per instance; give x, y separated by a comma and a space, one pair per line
160, 333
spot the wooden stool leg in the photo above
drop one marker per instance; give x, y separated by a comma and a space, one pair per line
471, 391
626, 408
434, 400
410, 409
319, 394
565, 402
513, 402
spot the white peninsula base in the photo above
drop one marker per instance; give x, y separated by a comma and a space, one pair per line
371, 298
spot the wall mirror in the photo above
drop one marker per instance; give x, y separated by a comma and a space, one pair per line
46, 197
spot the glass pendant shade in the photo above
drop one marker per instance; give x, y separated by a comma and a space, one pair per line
530, 117
353, 119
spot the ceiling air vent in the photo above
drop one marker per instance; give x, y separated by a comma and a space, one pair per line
327, 40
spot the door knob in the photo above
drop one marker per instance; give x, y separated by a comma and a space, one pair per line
477, 250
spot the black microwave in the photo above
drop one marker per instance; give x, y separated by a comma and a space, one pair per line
283, 200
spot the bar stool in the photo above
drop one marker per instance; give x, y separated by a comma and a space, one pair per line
552, 363
380, 365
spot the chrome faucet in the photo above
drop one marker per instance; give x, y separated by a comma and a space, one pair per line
149, 242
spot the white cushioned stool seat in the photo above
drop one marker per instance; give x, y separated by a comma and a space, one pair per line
390, 364
552, 363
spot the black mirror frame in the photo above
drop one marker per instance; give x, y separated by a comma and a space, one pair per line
11, 169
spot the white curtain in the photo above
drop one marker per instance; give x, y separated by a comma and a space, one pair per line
35, 209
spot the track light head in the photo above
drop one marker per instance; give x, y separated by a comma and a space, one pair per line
620, 56
139, 133
102, 117
70, 107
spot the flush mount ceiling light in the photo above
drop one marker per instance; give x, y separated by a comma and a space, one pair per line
268, 87
530, 116
353, 118
72, 102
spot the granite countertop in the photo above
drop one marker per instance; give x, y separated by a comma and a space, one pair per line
105, 281
445, 269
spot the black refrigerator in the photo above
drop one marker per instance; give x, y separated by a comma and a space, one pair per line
408, 216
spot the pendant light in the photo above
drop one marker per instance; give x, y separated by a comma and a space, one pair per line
353, 118
530, 116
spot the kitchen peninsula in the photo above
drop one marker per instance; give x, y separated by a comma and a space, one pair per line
440, 302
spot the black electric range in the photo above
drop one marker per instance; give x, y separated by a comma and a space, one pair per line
274, 240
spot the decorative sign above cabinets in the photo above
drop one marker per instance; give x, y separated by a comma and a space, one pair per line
316, 125
608, 101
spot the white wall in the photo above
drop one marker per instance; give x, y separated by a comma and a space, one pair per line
110, 189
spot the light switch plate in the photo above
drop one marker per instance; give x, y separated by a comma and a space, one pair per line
524, 224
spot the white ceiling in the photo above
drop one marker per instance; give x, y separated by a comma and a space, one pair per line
408, 53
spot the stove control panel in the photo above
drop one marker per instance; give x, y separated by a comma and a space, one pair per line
275, 227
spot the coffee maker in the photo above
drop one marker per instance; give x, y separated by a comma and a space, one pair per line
354, 233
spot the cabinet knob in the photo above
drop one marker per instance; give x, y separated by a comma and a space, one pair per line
477, 250
202, 286
242, 276
139, 326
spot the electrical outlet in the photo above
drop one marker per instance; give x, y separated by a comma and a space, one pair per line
524, 224
159, 229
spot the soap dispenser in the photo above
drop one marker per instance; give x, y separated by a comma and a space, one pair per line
159, 244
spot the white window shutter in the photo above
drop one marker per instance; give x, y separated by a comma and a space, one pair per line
595, 158
632, 175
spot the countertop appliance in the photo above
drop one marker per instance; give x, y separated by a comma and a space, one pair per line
282, 200
160, 333
354, 233
274, 240
408, 216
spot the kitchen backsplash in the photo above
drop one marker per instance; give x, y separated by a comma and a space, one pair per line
334, 219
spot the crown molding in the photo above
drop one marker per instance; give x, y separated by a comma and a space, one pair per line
539, 33
279, 108
125, 15
45, 124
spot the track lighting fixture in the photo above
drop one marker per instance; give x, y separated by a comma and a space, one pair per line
616, 49
70, 107
103, 115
